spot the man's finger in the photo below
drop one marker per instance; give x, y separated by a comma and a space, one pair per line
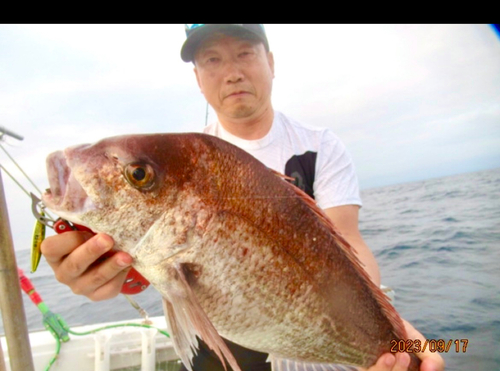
55, 248
402, 362
391, 362
430, 361
81, 258
105, 281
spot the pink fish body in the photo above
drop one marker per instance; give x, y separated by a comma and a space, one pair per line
234, 249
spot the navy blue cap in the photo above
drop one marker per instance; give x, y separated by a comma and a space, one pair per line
196, 33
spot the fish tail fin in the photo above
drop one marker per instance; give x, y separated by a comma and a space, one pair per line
186, 319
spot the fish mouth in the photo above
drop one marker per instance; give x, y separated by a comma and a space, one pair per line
65, 193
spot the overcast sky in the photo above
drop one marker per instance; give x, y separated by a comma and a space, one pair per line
409, 101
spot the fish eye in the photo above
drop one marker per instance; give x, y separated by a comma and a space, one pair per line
140, 175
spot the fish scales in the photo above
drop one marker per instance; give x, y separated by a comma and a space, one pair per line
228, 243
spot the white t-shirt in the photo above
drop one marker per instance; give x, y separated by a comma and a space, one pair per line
315, 157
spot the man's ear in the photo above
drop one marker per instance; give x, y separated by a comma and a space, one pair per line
270, 59
197, 78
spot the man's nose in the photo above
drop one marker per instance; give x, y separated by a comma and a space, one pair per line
233, 73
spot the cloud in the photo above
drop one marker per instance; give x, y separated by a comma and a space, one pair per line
409, 101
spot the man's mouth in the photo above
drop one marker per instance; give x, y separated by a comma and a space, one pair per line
236, 94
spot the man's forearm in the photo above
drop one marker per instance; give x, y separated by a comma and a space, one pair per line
365, 256
345, 219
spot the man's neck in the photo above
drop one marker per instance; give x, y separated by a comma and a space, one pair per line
249, 128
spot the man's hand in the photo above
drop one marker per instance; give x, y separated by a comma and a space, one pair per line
76, 258
400, 361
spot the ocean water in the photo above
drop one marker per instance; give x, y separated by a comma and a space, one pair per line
437, 243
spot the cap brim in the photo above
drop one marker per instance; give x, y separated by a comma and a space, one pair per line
198, 35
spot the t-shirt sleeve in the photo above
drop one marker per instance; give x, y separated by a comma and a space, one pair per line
336, 183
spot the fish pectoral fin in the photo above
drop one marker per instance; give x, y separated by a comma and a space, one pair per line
185, 343
283, 364
186, 319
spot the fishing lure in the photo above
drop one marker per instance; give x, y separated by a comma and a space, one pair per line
38, 237
134, 282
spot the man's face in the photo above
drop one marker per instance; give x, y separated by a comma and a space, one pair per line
235, 76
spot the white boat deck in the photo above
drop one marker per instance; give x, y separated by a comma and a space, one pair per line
118, 348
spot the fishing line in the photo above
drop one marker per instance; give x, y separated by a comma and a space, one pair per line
20, 169
137, 307
141, 311
132, 302
23, 172
206, 115
14, 179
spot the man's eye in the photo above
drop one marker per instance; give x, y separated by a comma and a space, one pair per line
212, 60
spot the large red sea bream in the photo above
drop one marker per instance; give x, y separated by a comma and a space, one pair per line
234, 249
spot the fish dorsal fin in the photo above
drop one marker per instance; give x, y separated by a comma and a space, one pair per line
186, 319
320, 213
283, 364
282, 176
381, 298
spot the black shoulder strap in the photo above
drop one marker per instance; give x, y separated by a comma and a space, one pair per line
303, 168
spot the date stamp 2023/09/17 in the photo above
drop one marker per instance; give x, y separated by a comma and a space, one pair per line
433, 345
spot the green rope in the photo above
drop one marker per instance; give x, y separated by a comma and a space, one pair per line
115, 326
65, 327
58, 350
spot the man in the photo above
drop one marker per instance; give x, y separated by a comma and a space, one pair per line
234, 69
